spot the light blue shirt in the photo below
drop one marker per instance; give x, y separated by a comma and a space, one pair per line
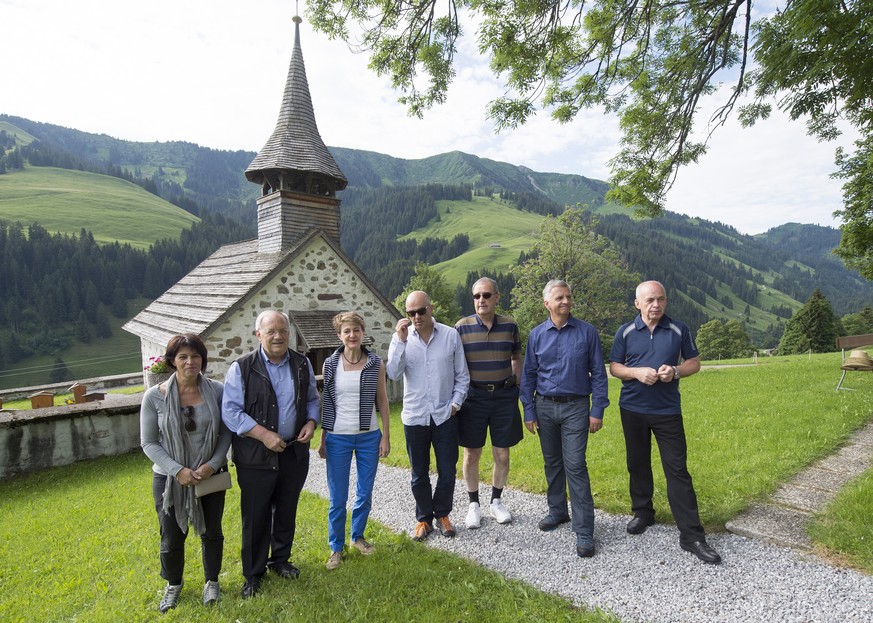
434, 374
233, 405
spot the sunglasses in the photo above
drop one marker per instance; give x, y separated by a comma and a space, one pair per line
483, 295
412, 313
188, 414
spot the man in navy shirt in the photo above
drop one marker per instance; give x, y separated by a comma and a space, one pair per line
646, 356
564, 393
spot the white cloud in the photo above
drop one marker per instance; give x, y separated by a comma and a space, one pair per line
756, 178
212, 72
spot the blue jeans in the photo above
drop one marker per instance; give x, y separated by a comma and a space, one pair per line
339, 449
444, 439
563, 432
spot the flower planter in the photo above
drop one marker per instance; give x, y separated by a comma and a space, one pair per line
153, 378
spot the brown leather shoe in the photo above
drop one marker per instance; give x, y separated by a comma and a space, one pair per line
445, 526
422, 529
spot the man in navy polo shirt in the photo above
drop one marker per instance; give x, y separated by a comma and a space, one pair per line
564, 392
646, 356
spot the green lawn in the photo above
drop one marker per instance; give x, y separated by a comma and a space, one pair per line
82, 539
111, 208
844, 530
80, 543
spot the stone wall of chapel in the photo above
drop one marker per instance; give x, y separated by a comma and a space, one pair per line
317, 279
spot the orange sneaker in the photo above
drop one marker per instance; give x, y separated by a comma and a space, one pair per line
445, 526
422, 529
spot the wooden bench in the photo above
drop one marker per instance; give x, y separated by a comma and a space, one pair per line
849, 342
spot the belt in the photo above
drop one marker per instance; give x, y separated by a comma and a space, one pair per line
561, 399
490, 387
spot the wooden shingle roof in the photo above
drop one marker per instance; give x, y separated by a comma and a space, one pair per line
202, 297
210, 293
296, 144
316, 327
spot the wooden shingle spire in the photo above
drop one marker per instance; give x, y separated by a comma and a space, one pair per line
295, 158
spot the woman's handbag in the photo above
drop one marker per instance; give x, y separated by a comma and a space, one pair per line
219, 481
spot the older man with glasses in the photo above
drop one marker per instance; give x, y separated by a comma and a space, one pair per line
272, 404
493, 350
429, 357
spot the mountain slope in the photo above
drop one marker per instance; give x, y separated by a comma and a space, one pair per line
67, 201
712, 271
214, 178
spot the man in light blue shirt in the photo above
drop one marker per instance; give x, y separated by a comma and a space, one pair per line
430, 358
272, 405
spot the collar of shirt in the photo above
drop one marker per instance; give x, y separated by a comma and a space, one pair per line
416, 334
663, 323
571, 322
267, 361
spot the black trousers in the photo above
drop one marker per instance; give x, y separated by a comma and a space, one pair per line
173, 539
436, 502
268, 505
669, 432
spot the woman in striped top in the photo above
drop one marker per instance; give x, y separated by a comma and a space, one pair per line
354, 389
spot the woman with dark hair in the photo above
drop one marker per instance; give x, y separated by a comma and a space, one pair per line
182, 433
354, 388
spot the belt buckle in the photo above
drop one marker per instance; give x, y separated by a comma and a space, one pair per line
490, 387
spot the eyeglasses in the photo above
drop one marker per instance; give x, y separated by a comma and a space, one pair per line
412, 313
483, 295
188, 414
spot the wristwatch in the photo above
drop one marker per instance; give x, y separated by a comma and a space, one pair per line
676, 373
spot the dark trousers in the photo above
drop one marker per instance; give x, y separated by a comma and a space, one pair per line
173, 539
670, 434
268, 505
563, 432
444, 439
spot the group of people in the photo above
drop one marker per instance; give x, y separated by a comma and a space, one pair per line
564, 393
460, 383
266, 411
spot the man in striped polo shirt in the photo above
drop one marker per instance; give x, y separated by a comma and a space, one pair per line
492, 348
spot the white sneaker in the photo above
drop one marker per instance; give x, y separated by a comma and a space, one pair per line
474, 516
499, 512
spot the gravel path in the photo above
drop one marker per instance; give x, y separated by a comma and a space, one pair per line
637, 578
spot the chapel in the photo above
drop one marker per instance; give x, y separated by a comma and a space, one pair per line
295, 265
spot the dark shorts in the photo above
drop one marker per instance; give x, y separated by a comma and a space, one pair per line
497, 410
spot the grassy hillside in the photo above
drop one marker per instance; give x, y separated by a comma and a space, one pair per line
118, 354
494, 222
487, 222
21, 137
66, 201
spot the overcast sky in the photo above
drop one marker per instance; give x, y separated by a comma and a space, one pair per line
212, 72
